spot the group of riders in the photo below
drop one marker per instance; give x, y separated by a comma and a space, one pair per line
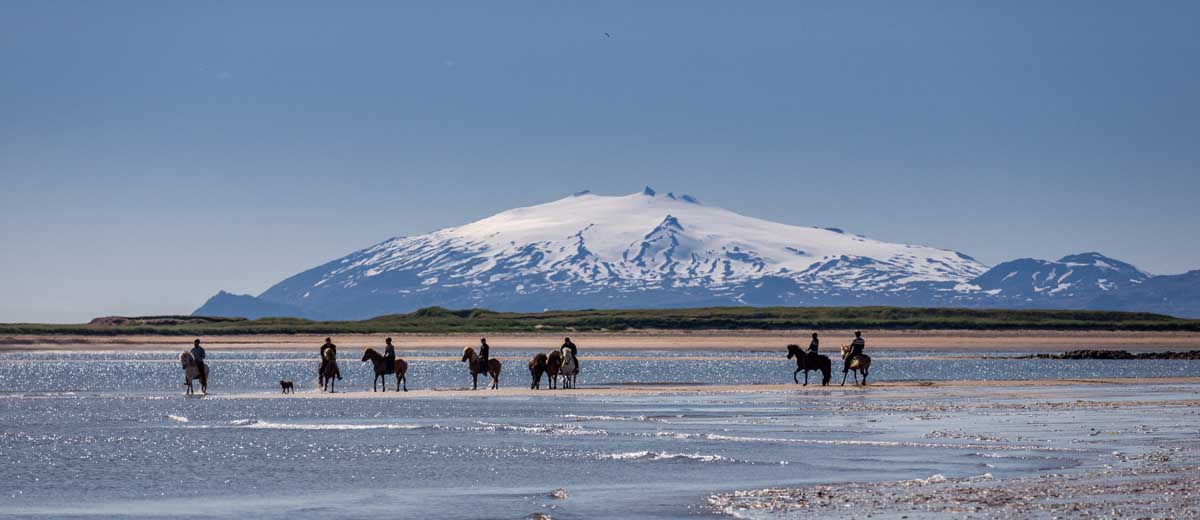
328, 354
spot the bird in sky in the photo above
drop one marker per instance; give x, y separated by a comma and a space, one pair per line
606, 35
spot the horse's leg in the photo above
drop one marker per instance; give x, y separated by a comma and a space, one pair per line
806, 378
856, 377
844, 378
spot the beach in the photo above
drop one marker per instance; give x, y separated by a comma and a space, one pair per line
661, 426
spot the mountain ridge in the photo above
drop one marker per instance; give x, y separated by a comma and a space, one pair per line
646, 250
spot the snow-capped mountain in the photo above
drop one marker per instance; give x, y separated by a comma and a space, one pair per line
640, 250
1073, 280
651, 250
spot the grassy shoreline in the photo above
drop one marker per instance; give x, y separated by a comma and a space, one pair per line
442, 321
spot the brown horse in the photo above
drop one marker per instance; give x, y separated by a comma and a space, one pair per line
553, 366
472, 360
192, 371
809, 361
537, 367
381, 372
860, 362
326, 379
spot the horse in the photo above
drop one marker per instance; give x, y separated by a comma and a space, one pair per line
192, 371
809, 361
381, 372
567, 370
537, 367
472, 360
553, 364
326, 378
860, 362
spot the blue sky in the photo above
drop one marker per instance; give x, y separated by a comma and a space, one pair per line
152, 153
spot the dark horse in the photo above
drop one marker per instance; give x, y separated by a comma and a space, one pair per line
537, 367
553, 366
381, 372
809, 361
325, 379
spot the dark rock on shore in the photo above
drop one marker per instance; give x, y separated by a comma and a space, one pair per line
1117, 354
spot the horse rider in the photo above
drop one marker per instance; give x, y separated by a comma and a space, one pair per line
567, 344
389, 357
483, 356
333, 348
814, 346
856, 349
198, 358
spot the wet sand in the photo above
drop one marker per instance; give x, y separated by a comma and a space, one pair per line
925, 340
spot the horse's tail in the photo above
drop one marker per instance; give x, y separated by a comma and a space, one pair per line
826, 368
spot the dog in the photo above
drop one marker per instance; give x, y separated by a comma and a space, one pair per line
287, 386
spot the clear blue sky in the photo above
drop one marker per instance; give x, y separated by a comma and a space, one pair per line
154, 152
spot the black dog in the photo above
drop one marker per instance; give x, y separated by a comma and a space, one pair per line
287, 386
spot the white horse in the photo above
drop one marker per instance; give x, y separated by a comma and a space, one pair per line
193, 371
568, 368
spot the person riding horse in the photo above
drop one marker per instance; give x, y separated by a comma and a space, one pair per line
198, 357
567, 344
389, 357
856, 349
483, 355
814, 346
333, 355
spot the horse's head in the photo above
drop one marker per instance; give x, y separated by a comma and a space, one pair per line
368, 354
468, 353
845, 351
185, 359
568, 355
328, 354
793, 351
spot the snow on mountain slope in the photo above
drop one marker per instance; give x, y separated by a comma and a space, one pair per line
643, 249
1074, 278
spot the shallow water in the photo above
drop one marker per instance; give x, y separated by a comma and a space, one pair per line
254, 371
122, 442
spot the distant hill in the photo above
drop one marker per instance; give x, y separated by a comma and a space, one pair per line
1175, 295
245, 306
440, 320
